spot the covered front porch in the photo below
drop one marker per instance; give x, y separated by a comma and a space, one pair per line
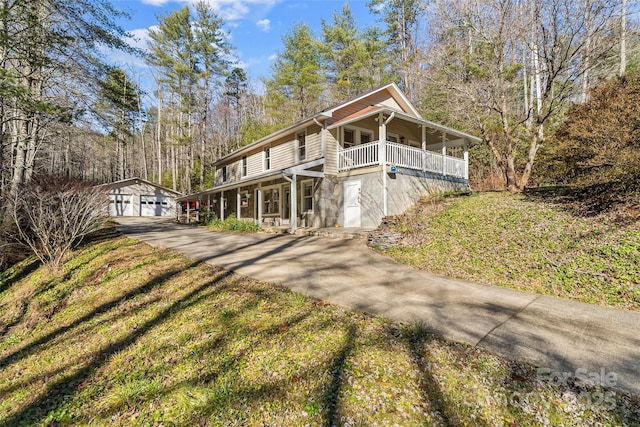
392, 154
286, 199
382, 136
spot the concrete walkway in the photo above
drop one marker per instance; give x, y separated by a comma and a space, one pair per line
552, 333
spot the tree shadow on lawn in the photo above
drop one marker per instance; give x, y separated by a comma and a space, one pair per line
417, 338
63, 389
14, 274
101, 309
330, 399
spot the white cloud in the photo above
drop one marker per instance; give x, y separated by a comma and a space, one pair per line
264, 25
232, 10
139, 37
229, 10
272, 57
155, 2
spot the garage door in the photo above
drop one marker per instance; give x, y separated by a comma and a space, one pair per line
120, 205
155, 206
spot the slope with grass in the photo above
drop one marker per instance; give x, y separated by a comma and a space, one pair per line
127, 334
525, 242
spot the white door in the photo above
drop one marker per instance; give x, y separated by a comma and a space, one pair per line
155, 206
352, 203
120, 205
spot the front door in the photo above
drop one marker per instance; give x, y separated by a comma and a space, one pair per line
352, 203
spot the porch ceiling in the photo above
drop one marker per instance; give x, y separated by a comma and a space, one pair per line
454, 137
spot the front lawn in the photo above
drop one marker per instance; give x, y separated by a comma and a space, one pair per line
127, 334
524, 242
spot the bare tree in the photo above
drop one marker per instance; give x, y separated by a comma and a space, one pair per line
481, 49
54, 214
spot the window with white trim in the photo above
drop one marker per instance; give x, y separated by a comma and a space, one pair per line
349, 138
307, 196
301, 143
267, 158
271, 203
244, 165
355, 136
224, 173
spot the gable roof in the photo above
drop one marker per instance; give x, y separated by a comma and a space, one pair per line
325, 114
393, 90
138, 180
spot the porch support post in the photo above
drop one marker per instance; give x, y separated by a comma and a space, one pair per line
188, 212
198, 204
424, 147
294, 203
222, 205
383, 159
259, 202
382, 134
208, 203
466, 159
238, 203
444, 153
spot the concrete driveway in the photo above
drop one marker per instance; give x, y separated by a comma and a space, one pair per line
552, 333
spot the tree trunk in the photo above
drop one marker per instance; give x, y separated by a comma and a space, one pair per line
174, 168
526, 173
145, 169
623, 39
159, 138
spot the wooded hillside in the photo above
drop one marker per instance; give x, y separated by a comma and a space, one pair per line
506, 71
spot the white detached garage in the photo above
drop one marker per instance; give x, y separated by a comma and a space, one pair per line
139, 197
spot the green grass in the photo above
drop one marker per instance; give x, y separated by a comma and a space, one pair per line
524, 243
127, 334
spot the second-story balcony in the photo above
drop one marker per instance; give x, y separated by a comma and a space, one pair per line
403, 156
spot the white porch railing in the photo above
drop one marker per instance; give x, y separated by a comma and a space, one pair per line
403, 156
358, 156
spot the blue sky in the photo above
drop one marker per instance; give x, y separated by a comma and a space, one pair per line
256, 27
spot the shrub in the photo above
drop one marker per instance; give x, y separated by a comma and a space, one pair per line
53, 214
234, 224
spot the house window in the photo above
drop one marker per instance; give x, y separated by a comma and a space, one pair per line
391, 137
307, 196
271, 201
224, 173
349, 138
267, 158
301, 138
244, 165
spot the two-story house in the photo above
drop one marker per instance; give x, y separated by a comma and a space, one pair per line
348, 166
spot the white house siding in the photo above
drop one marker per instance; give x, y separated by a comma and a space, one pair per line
234, 170
314, 142
283, 152
255, 163
331, 155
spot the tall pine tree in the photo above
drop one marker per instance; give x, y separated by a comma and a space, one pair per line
295, 90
